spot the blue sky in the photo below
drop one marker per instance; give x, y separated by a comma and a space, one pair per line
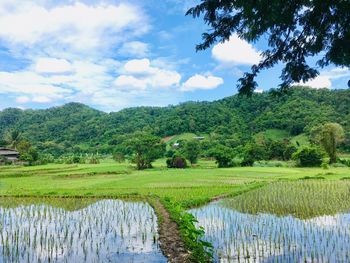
116, 54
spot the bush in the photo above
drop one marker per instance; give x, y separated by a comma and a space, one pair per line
94, 159
325, 165
176, 162
46, 158
4, 161
269, 164
31, 156
344, 162
309, 157
247, 162
339, 165
70, 159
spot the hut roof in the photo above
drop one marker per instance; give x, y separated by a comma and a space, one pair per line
6, 151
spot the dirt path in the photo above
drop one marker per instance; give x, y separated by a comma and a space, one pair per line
169, 237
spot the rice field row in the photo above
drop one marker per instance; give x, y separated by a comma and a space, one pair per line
301, 221
105, 231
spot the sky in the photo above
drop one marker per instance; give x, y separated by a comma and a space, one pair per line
115, 54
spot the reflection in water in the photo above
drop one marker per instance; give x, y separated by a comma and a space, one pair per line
242, 237
106, 231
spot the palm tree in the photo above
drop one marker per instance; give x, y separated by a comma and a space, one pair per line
13, 137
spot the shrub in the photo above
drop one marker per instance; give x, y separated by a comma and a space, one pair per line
309, 157
71, 158
4, 161
325, 165
176, 162
269, 164
30, 155
94, 159
46, 158
247, 162
345, 162
339, 165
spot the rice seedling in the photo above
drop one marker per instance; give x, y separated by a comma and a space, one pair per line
303, 199
283, 222
105, 231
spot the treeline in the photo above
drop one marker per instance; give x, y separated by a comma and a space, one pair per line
231, 122
321, 150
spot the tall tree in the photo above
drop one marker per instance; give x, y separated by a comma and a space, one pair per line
13, 138
145, 149
330, 135
295, 30
191, 151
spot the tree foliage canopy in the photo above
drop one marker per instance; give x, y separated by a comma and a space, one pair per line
329, 135
191, 151
145, 149
295, 30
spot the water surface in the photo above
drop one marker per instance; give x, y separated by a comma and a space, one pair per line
104, 231
243, 237
284, 222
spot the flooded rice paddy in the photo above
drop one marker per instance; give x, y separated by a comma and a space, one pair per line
284, 222
102, 231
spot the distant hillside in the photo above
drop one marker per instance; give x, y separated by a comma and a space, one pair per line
233, 118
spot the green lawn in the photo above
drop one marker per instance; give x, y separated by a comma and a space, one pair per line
191, 186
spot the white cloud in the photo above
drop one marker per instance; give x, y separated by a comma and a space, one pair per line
236, 51
319, 82
324, 80
258, 90
130, 81
52, 65
138, 66
41, 99
26, 82
22, 99
139, 73
201, 82
77, 25
134, 49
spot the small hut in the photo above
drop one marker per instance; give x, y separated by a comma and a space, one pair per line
9, 154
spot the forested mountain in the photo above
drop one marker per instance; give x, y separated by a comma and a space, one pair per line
236, 118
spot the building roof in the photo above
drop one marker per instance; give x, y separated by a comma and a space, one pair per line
6, 151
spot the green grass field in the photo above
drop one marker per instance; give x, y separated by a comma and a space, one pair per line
274, 134
192, 186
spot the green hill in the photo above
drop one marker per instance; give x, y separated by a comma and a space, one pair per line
77, 127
